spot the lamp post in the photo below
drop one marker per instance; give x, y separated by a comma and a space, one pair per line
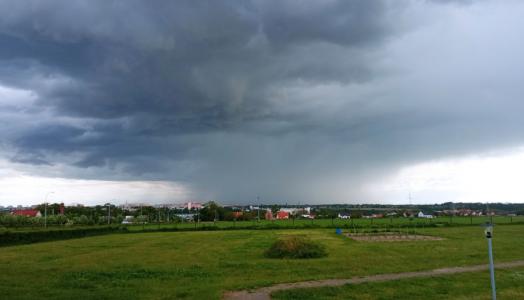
45, 208
488, 231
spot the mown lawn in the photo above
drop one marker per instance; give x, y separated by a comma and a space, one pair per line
202, 265
510, 285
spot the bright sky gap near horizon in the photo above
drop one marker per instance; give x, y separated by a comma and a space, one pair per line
294, 101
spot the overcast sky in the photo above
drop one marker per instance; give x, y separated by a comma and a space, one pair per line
293, 101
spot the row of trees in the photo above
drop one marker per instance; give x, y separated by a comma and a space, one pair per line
9, 220
99, 215
212, 211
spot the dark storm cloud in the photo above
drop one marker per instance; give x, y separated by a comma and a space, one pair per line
205, 61
291, 98
179, 67
453, 1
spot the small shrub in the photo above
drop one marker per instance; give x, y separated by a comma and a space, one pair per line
296, 247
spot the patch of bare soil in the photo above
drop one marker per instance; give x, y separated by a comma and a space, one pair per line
392, 237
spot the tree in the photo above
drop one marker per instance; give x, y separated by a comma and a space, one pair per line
212, 211
141, 219
36, 222
82, 220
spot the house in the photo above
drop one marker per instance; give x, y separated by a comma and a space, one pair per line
308, 216
193, 205
269, 215
344, 216
186, 217
290, 211
128, 220
296, 210
237, 214
27, 213
422, 215
282, 215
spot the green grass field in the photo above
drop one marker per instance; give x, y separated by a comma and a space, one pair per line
361, 222
204, 264
510, 285
382, 223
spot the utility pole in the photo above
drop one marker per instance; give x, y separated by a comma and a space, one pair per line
45, 208
259, 207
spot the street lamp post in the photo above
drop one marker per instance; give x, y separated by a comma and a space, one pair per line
45, 208
489, 233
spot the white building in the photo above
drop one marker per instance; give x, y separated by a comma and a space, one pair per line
193, 205
422, 215
344, 216
290, 211
128, 220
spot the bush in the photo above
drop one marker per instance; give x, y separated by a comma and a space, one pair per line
296, 247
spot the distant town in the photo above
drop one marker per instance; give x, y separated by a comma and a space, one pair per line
78, 214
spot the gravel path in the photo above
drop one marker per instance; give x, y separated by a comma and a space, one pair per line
265, 293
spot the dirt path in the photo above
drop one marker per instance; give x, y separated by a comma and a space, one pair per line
264, 293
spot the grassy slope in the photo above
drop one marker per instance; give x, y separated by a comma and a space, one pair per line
510, 285
204, 264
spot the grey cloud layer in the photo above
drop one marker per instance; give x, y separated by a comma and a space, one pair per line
293, 99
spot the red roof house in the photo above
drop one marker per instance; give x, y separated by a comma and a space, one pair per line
27, 213
281, 215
